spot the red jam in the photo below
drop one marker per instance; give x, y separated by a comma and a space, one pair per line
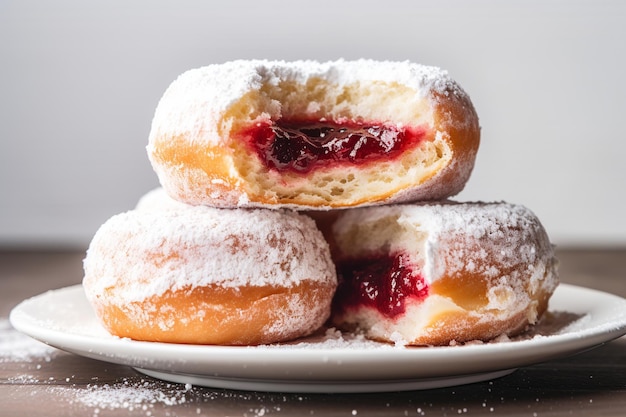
383, 282
302, 146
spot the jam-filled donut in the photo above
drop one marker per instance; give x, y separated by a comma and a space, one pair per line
434, 274
313, 135
204, 275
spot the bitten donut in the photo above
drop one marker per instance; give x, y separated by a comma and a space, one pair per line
435, 274
204, 275
313, 135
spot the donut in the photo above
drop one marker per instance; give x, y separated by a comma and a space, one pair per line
203, 275
158, 199
313, 135
441, 273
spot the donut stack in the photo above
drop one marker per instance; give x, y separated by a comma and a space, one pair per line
301, 194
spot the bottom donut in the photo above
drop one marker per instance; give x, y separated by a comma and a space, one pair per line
169, 272
437, 274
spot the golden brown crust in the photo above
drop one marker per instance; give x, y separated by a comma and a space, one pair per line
220, 316
455, 114
198, 166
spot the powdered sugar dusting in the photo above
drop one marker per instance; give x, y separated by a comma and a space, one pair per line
211, 90
509, 235
143, 253
17, 347
299, 315
142, 396
139, 396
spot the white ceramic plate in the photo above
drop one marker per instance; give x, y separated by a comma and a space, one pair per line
579, 319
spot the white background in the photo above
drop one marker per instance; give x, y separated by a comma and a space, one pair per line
79, 81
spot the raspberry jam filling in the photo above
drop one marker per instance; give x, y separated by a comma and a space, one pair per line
383, 282
299, 146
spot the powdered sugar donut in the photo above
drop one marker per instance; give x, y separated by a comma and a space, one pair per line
313, 135
432, 274
209, 276
158, 199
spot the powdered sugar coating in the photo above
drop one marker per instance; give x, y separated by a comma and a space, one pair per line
143, 253
511, 234
211, 90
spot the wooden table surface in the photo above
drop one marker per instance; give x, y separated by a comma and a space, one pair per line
36, 380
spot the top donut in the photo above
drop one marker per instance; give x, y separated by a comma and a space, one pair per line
311, 135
